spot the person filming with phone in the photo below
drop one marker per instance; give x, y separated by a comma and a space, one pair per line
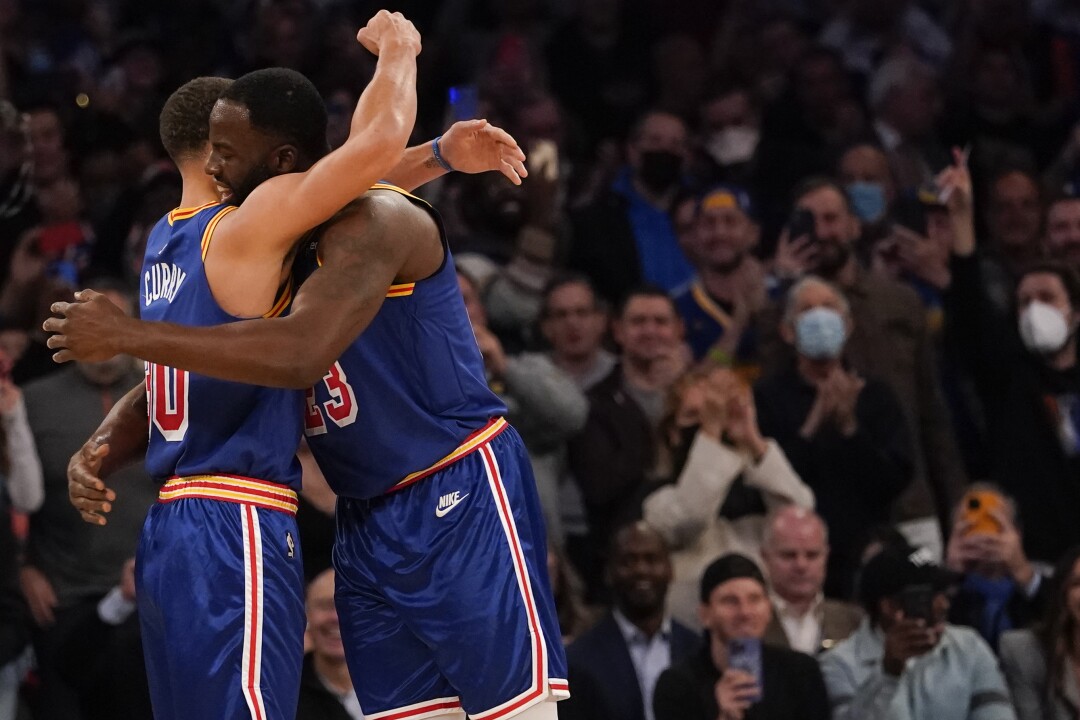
1002, 589
906, 662
735, 676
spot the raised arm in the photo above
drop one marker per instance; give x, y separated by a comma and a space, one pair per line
381, 239
120, 440
284, 207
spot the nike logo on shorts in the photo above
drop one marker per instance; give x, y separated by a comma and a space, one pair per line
448, 502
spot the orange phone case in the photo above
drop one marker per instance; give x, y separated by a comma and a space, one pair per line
976, 511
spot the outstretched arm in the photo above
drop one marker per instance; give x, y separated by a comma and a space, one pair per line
380, 239
469, 146
284, 207
120, 440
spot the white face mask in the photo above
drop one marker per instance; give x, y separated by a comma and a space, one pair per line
733, 145
1043, 328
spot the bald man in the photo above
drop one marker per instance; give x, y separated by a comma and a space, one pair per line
795, 549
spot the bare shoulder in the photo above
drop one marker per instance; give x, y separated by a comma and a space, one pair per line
377, 211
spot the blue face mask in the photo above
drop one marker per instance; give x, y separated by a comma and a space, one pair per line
867, 200
820, 334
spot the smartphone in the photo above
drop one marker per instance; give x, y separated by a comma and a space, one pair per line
802, 224
745, 654
917, 602
464, 102
976, 508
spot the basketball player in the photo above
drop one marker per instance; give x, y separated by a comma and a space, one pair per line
220, 584
442, 593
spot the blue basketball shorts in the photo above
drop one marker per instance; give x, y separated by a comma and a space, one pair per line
220, 592
443, 594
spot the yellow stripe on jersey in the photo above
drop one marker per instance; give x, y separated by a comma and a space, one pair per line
709, 305
401, 290
209, 232
185, 213
493, 428
395, 188
232, 489
282, 302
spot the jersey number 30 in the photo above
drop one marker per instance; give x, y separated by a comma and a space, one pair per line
168, 399
340, 408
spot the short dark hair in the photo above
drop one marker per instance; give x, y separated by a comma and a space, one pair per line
283, 102
645, 291
814, 183
561, 281
1065, 273
184, 123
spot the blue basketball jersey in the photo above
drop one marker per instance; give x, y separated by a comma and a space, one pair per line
199, 425
407, 393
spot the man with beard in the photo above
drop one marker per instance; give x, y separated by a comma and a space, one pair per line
890, 341
614, 667
729, 287
1063, 230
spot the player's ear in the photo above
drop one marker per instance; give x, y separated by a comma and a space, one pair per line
283, 159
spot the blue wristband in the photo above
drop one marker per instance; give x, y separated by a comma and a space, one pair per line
438, 155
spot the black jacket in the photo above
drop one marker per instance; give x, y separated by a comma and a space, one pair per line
792, 688
1025, 402
316, 702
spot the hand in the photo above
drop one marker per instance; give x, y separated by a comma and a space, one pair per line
87, 329
962, 550
905, 639
735, 691
844, 389
476, 146
1006, 549
86, 491
921, 257
387, 29
39, 595
819, 412
742, 428
954, 185
719, 387
794, 256
492, 351
127, 580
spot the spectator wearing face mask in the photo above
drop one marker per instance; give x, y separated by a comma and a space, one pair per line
1025, 369
626, 237
844, 433
871, 191
731, 127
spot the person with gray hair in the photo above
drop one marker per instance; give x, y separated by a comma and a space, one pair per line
905, 100
844, 433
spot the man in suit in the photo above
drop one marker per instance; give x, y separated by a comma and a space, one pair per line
614, 666
795, 548
710, 685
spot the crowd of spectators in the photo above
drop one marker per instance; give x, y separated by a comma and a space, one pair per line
786, 313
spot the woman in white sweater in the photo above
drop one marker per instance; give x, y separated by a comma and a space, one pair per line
727, 479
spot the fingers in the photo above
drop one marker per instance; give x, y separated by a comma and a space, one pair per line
87, 295
510, 172
63, 356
